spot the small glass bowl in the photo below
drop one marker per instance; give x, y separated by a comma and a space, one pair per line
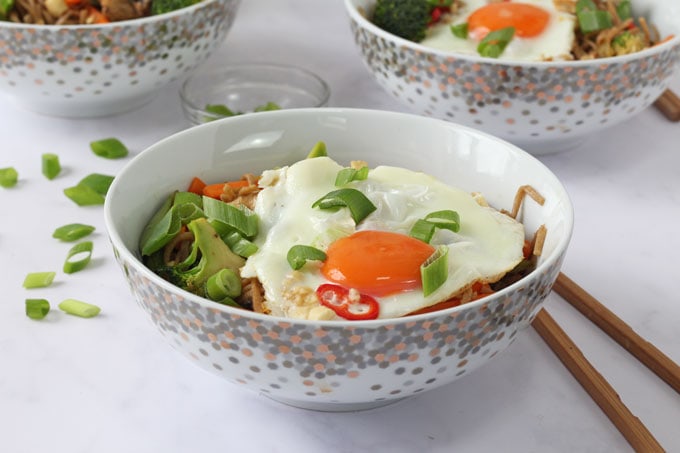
243, 88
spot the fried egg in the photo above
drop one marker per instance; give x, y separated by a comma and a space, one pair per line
376, 257
542, 32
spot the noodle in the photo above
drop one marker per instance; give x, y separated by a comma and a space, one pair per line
57, 12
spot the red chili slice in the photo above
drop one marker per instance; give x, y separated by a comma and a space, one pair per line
338, 299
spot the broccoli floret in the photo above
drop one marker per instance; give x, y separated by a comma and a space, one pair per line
407, 19
209, 255
165, 6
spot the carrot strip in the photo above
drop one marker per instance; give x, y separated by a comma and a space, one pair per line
215, 190
96, 16
196, 186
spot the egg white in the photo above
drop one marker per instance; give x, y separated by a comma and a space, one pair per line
554, 43
487, 246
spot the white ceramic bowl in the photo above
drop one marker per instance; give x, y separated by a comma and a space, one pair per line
544, 107
337, 365
98, 70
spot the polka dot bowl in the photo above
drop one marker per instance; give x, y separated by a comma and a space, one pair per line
337, 365
100, 70
543, 107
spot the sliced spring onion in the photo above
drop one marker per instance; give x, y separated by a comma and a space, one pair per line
78, 257
495, 42
8, 177
624, 10
239, 245
298, 255
590, 21
318, 150
359, 206
436, 3
241, 218
435, 270
460, 30
269, 106
225, 283
157, 217
91, 190
159, 232
50, 165
585, 5
347, 175
219, 109
446, 219
72, 232
37, 308
39, 279
110, 148
422, 230
79, 308
187, 198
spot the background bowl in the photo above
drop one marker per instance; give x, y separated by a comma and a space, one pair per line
245, 86
98, 70
337, 365
543, 107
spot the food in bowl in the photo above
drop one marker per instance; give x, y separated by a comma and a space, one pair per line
520, 30
321, 241
84, 12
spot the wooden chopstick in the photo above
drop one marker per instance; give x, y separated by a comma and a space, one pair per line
669, 104
604, 395
619, 331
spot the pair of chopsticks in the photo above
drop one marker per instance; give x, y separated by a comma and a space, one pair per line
669, 104
634, 431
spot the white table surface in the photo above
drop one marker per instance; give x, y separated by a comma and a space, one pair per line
111, 383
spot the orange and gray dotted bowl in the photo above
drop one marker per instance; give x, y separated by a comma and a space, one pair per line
337, 365
544, 107
104, 69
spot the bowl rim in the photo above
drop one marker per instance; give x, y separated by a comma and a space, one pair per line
131, 257
249, 65
122, 23
360, 19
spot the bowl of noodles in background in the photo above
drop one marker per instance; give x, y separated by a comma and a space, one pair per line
546, 92
73, 58
336, 364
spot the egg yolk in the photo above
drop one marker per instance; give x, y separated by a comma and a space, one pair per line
528, 20
376, 263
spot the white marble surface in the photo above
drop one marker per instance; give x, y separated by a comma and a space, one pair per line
111, 384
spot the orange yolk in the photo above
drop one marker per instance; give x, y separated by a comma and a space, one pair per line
528, 20
376, 263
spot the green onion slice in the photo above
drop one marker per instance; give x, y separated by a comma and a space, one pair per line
39, 279
78, 257
97, 182
160, 231
240, 218
72, 232
347, 175
359, 206
219, 109
50, 165
225, 283
624, 10
422, 230
495, 42
91, 190
37, 308
79, 308
435, 3
109, 148
446, 219
298, 255
319, 150
435, 270
590, 21
8, 177
269, 106
460, 30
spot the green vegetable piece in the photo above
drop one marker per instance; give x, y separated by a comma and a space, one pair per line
494, 43
460, 30
240, 218
8, 177
5, 7
78, 257
50, 165
166, 6
347, 175
219, 109
298, 255
269, 106
407, 19
158, 233
624, 10
39, 279
590, 21
79, 308
422, 230
37, 308
109, 148
72, 232
318, 150
225, 283
435, 270
446, 219
359, 205
91, 190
